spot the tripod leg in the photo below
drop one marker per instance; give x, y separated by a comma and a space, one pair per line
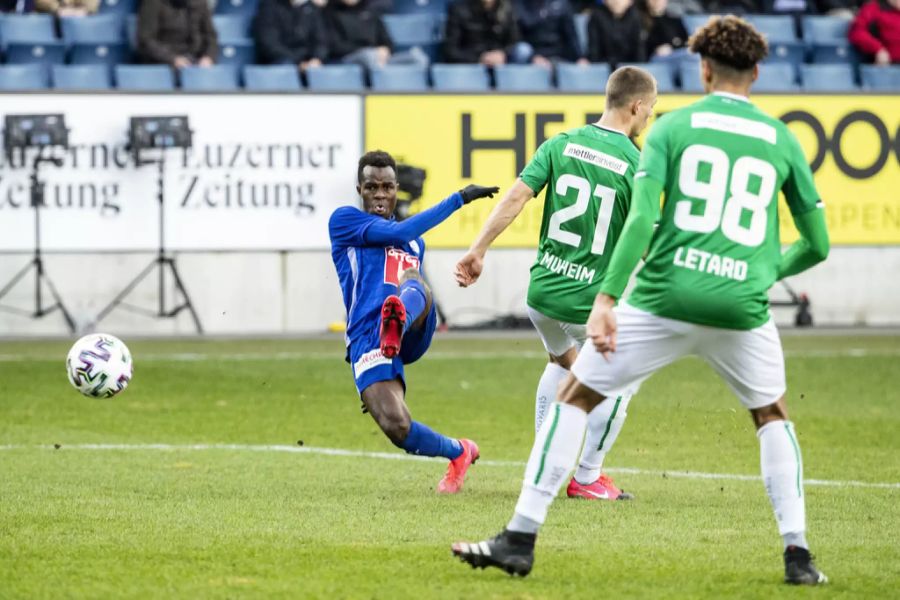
118, 299
187, 299
59, 303
12, 282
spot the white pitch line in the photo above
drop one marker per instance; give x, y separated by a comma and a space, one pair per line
409, 457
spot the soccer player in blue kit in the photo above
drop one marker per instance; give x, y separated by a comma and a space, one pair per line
391, 317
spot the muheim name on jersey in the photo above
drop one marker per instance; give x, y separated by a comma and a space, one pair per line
560, 266
707, 262
598, 159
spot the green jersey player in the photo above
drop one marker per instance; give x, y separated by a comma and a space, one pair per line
588, 173
720, 163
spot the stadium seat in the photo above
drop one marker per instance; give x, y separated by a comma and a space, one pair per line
24, 77
581, 31
118, 7
821, 29
789, 52
582, 78
27, 29
776, 28
94, 54
144, 78
694, 22
218, 78
246, 8
81, 77
232, 27
413, 30
409, 7
95, 29
460, 78
400, 78
880, 79
272, 78
336, 78
776, 77
834, 52
236, 53
131, 31
50, 53
523, 78
828, 78
689, 76
665, 80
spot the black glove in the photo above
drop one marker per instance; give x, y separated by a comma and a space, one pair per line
474, 192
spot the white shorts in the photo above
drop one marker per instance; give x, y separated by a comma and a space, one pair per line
557, 336
751, 362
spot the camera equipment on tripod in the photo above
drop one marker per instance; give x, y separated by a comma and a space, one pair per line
34, 131
145, 133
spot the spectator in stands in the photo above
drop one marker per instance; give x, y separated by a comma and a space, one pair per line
666, 36
356, 34
484, 31
176, 32
290, 32
67, 8
615, 34
549, 27
876, 31
16, 6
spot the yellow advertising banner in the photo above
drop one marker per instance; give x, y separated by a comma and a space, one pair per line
852, 143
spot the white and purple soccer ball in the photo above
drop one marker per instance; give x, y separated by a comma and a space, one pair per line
99, 365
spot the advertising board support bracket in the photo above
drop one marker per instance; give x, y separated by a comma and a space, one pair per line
37, 261
161, 264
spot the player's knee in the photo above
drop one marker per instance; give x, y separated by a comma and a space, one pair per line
396, 427
777, 411
411, 274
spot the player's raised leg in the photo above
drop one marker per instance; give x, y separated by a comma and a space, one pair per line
384, 400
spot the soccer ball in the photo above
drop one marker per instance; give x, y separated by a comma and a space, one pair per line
99, 365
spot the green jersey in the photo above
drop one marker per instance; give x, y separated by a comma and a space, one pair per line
588, 173
721, 162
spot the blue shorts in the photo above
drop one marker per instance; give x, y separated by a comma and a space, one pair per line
370, 366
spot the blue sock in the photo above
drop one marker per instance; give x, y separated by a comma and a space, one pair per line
423, 441
412, 294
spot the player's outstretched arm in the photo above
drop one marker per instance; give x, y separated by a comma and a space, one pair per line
812, 247
469, 268
383, 232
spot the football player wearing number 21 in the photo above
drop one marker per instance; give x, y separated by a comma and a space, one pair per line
391, 317
721, 163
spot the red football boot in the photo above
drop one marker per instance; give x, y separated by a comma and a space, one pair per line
602, 489
393, 319
459, 466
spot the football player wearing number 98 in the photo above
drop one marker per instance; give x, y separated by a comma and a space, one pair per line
588, 173
702, 290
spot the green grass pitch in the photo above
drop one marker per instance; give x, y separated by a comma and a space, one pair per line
249, 521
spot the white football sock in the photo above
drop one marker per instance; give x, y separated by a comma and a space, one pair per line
546, 392
604, 424
552, 458
782, 472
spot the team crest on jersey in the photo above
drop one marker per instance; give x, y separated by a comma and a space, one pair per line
395, 262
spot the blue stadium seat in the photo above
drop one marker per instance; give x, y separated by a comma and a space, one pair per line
236, 53
776, 28
232, 27
246, 8
828, 78
835, 52
821, 29
94, 29
409, 7
27, 29
24, 77
460, 78
400, 78
694, 22
118, 7
218, 78
272, 78
148, 78
581, 31
523, 78
582, 78
665, 79
880, 79
131, 31
789, 52
776, 77
81, 77
49, 53
336, 78
95, 54
413, 30
689, 76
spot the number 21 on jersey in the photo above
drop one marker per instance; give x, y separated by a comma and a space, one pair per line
582, 187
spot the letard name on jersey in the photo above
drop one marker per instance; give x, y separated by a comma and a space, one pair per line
707, 262
568, 269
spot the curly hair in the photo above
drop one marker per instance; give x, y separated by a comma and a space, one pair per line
375, 158
731, 42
